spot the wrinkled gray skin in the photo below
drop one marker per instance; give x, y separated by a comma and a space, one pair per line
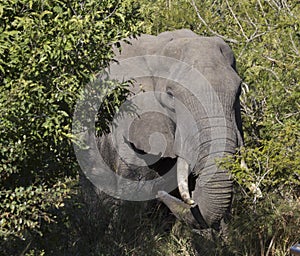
201, 203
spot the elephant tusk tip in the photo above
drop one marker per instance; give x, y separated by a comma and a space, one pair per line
161, 194
190, 201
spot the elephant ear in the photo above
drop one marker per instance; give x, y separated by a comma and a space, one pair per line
152, 133
151, 130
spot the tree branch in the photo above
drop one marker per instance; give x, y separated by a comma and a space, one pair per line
208, 27
236, 19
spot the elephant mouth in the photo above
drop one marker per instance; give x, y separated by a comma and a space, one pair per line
161, 165
193, 193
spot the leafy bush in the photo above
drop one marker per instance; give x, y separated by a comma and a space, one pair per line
49, 49
264, 36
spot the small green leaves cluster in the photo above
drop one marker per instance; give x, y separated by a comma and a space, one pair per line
26, 207
49, 50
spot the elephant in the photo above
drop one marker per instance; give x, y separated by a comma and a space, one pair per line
186, 89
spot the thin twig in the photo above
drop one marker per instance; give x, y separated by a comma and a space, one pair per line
271, 244
253, 24
259, 3
265, 174
206, 25
294, 45
26, 248
236, 19
255, 36
114, 10
273, 72
291, 114
261, 243
275, 4
277, 119
287, 6
270, 4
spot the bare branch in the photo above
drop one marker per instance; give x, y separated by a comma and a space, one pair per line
245, 88
252, 37
208, 27
286, 116
271, 71
277, 119
294, 45
270, 4
276, 4
271, 243
262, 10
236, 19
114, 10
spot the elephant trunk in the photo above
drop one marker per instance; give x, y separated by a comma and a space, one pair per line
213, 187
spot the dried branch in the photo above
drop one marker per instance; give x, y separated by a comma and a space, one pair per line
271, 243
262, 10
286, 116
273, 72
294, 45
236, 19
114, 10
208, 27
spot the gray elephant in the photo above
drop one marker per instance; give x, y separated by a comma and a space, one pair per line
183, 115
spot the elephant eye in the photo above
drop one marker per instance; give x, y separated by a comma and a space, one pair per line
170, 94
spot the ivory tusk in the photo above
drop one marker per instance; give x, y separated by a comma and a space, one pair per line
182, 180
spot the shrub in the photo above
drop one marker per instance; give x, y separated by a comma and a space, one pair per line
49, 50
264, 36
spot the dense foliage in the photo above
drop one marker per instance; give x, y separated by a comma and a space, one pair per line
264, 36
49, 49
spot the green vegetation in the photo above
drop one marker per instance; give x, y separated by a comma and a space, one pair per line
50, 49
264, 36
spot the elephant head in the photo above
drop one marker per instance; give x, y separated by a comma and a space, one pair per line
194, 91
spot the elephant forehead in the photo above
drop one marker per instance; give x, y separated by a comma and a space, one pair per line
204, 50
211, 56
180, 33
183, 45
213, 60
